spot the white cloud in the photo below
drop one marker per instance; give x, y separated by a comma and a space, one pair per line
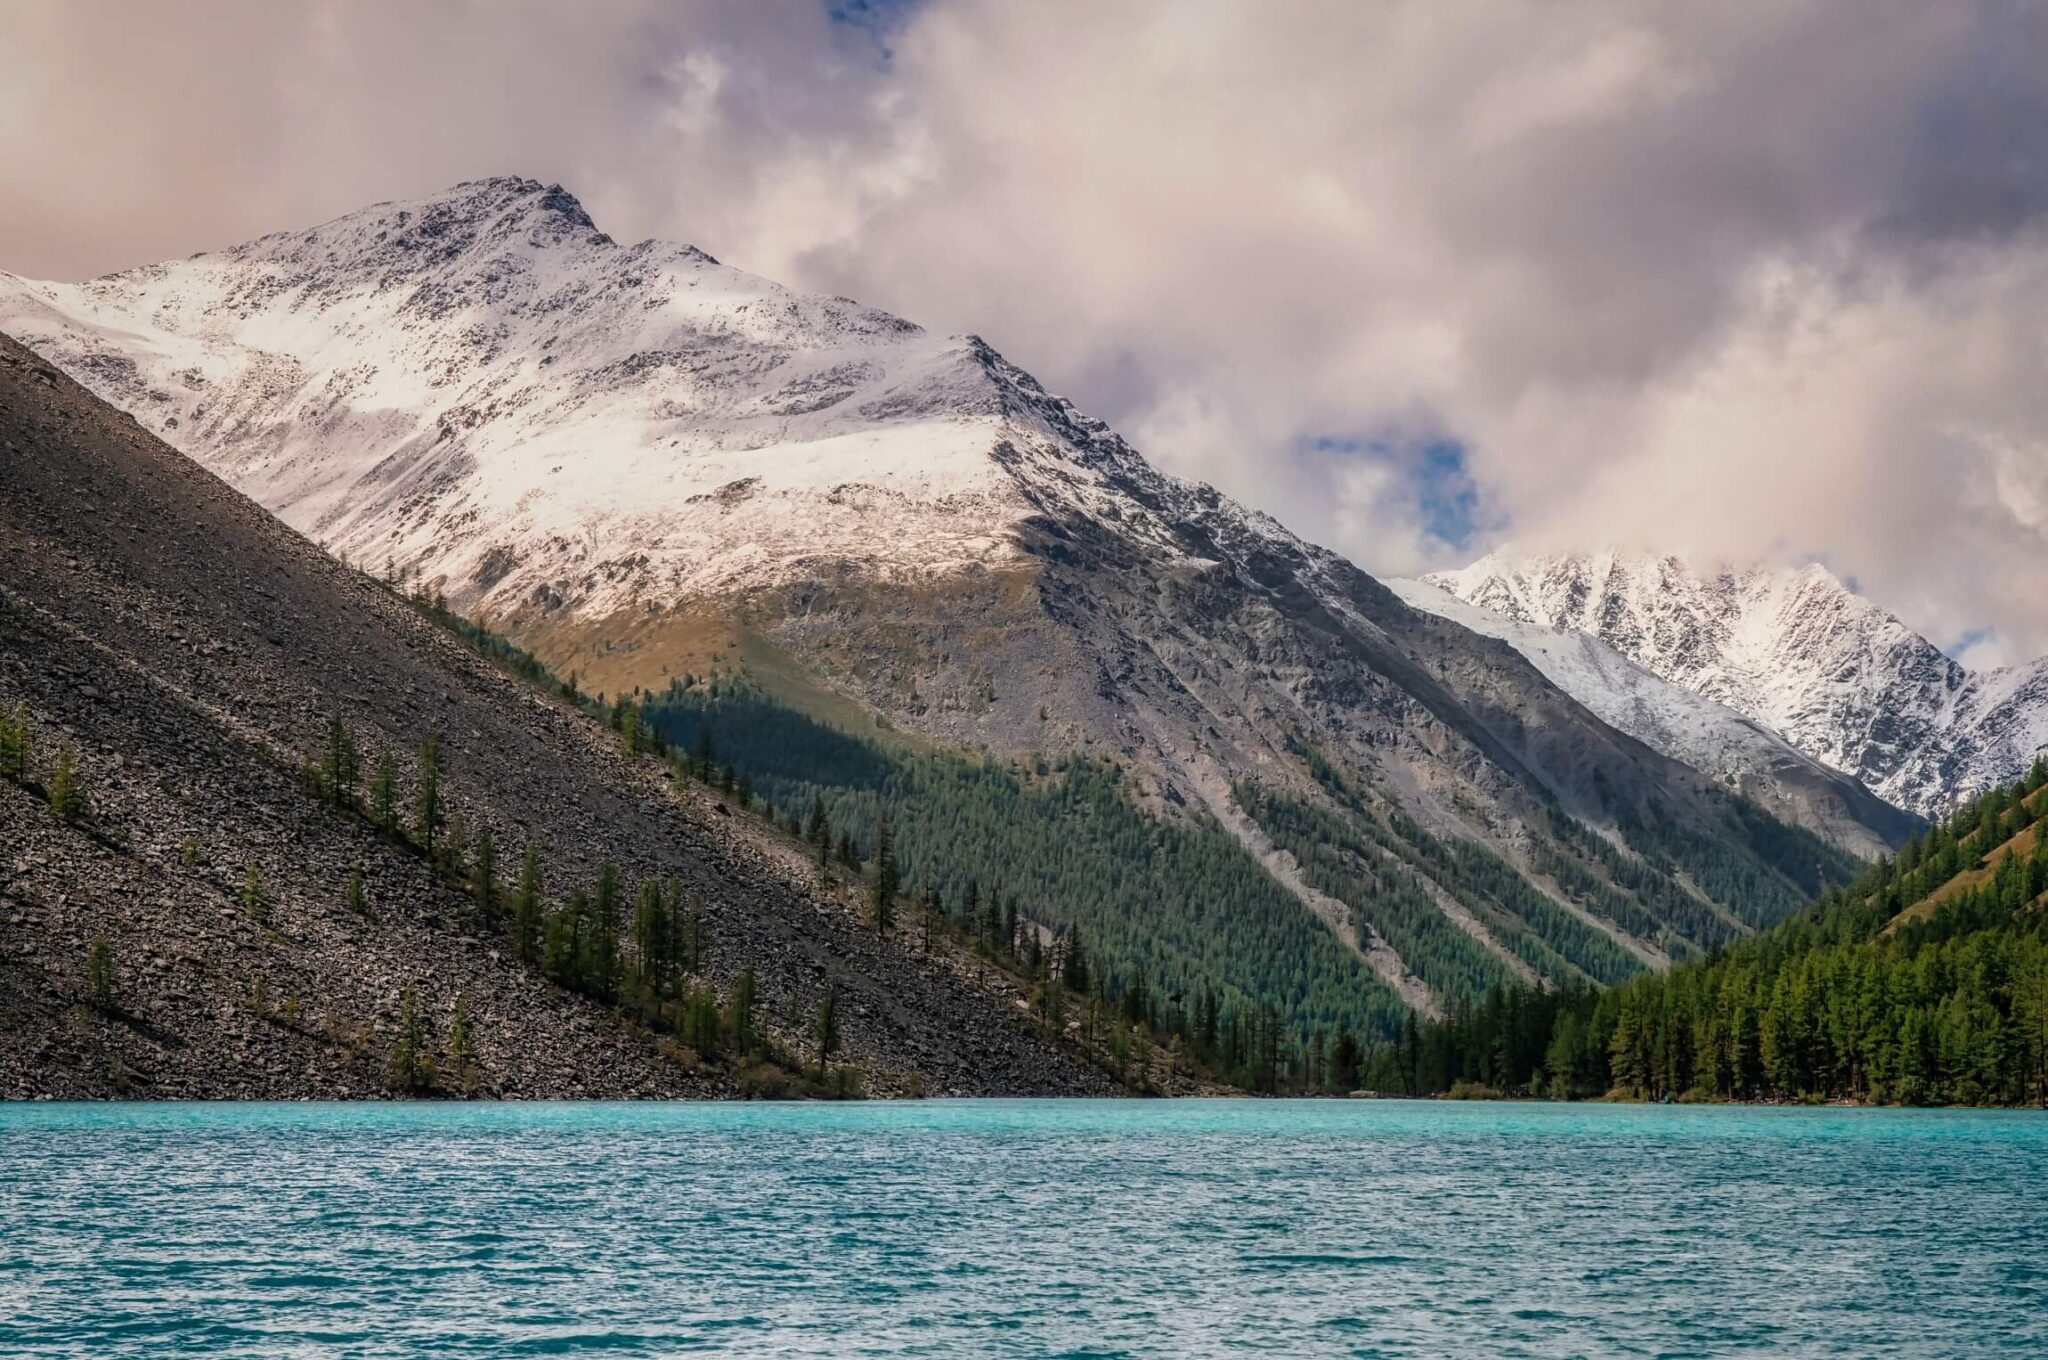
1740, 278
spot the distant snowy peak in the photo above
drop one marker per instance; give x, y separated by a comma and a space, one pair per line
1793, 648
1683, 724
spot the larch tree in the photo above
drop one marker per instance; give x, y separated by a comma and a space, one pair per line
428, 814
255, 895
826, 1029
100, 986
384, 797
882, 884
67, 788
462, 1055
342, 764
528, 913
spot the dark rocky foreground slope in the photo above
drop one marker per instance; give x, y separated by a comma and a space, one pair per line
188, 649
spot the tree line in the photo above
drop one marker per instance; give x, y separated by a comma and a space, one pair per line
1922, 982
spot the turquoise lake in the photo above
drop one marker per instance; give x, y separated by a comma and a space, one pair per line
1025, 1228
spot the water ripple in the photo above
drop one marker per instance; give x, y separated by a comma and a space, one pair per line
1020, 1228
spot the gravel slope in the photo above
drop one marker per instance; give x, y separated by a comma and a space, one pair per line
188, 647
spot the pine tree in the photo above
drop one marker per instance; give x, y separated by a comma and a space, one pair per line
411, 1065
454, 857
342, 765
826, 1031
819, 829
100, 987
883, 882
626, 718
741, 1023
485, 883
701, 757
255, 895
1074, 961
604, 976
652, 935
563, 960
462, 1058
354, 897
695, 954
67, 789
428, 815
528, 913
384, 797
675, 948
702, 1028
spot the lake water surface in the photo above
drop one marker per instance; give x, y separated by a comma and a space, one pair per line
1020, 1228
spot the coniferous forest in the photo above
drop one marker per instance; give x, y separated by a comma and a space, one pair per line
1923, 982
1176, 915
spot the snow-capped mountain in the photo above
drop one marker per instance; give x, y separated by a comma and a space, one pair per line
637, 461
481, 387
1685, 725
1794, 649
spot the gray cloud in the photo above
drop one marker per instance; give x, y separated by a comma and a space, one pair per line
1741, 278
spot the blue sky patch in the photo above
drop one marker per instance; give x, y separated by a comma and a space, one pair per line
1433, 476
877, 19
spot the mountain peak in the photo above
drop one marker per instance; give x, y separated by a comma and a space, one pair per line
492, 197
1792, 647
478, 218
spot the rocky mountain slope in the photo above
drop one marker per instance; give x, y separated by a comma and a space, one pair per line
1687, 726
1833, 673
185, 652
641, 463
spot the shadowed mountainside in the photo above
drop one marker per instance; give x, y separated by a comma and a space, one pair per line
187, 650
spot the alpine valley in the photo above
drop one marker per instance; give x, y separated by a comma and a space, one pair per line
891, 580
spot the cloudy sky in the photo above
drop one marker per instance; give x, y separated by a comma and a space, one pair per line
1745, 279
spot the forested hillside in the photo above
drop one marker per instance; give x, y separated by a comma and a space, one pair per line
1054, 852
1923, 982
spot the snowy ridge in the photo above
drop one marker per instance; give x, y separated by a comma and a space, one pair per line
483, 390
481, 387
1683, 724
1794, 649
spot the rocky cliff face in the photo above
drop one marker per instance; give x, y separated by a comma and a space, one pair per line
187, 650
638, 460
1836, 675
